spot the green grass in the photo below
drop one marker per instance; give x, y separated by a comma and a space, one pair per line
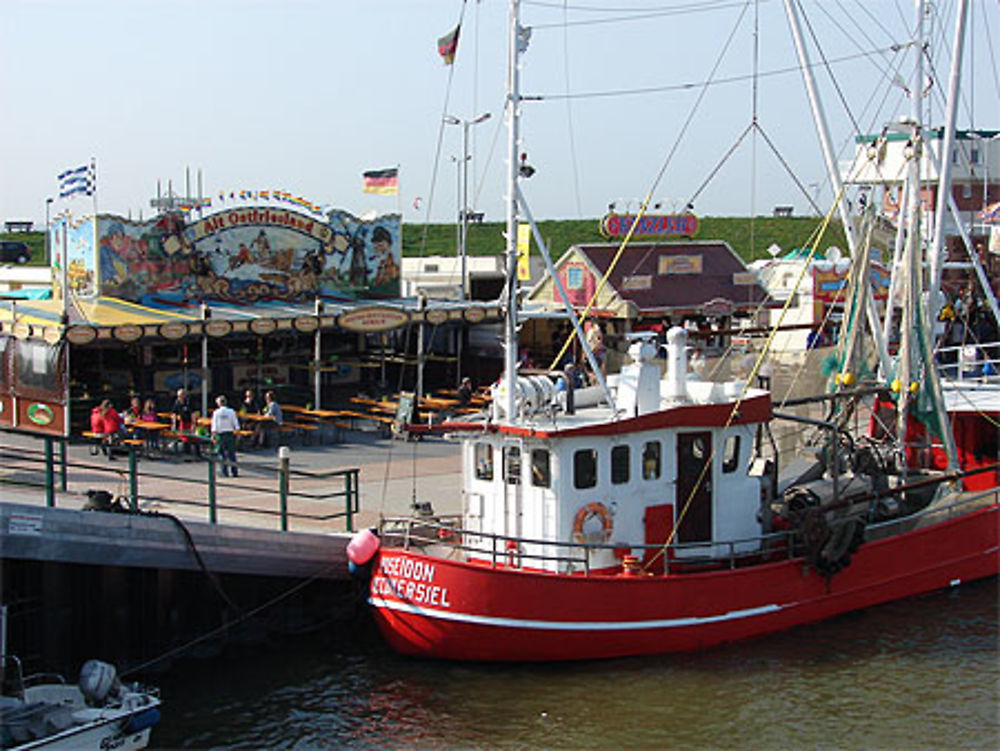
34, 240
749, 238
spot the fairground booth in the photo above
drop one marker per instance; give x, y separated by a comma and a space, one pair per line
290, 299
702, 285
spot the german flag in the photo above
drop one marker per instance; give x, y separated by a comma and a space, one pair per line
448, 45
384, 181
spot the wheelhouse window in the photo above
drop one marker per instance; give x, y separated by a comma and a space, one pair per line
619, 464
484, 461
541, 471
731, 455
512, 465
651, 461
585, 469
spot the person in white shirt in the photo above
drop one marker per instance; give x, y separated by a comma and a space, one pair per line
225, 423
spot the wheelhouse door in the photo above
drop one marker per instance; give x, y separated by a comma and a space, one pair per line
694, 487
513, 490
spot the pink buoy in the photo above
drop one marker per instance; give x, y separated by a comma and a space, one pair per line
362, 547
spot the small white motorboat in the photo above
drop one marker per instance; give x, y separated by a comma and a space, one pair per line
99, 712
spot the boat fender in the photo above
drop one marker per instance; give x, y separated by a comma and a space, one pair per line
143, 720
362, 547
589, 511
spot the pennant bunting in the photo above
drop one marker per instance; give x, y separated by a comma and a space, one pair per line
448, 45
384, 181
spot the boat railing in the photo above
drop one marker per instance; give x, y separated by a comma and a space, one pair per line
526, 552
970, 362
934, 513
444, 536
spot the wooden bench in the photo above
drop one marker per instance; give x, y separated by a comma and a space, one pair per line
105, 440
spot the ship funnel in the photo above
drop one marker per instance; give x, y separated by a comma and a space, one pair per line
676, 378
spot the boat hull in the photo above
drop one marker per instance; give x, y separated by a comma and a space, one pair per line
457, 610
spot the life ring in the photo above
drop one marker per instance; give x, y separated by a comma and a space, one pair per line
590, 510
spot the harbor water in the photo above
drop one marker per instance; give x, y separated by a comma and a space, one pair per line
915, 674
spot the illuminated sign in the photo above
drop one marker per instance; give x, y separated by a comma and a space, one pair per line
676, 225
640, 281
679, 265
263, 326
217, 329
306, 324
81, 334
128, 332
830, 285
436, 317
369, 320
173, 331
718, 306
474, 315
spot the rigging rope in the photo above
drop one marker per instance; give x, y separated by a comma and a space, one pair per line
649, 195
661, 551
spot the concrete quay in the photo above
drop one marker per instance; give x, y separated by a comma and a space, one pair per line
392, 473
132, 587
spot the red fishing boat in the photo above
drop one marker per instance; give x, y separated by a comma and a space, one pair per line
651, 512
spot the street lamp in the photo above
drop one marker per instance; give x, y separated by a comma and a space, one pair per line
464, 210
48, 248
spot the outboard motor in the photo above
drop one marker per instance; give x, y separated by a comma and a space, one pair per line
98, 681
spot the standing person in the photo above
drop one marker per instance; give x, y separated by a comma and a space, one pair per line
181, 418
224, 427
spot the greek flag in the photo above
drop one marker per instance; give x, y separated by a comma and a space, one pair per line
75, 181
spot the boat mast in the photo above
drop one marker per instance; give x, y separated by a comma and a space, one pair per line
916, 356
823, 131
513, 116
945, 161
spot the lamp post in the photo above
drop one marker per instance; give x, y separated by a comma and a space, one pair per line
48, 245
464, 210
463, 219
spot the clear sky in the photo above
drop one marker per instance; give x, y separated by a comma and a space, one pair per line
305, 95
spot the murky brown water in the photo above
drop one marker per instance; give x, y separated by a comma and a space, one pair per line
916, 674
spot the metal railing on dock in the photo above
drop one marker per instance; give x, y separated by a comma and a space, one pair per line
264, 490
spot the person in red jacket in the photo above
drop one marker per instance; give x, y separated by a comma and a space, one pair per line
111, 426
96, 420
112, 420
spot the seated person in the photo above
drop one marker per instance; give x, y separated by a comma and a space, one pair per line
152, 437
250, 405
111, 426
465, 392
272, 410
134, 411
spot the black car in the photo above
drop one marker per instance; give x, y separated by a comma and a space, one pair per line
12, 251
